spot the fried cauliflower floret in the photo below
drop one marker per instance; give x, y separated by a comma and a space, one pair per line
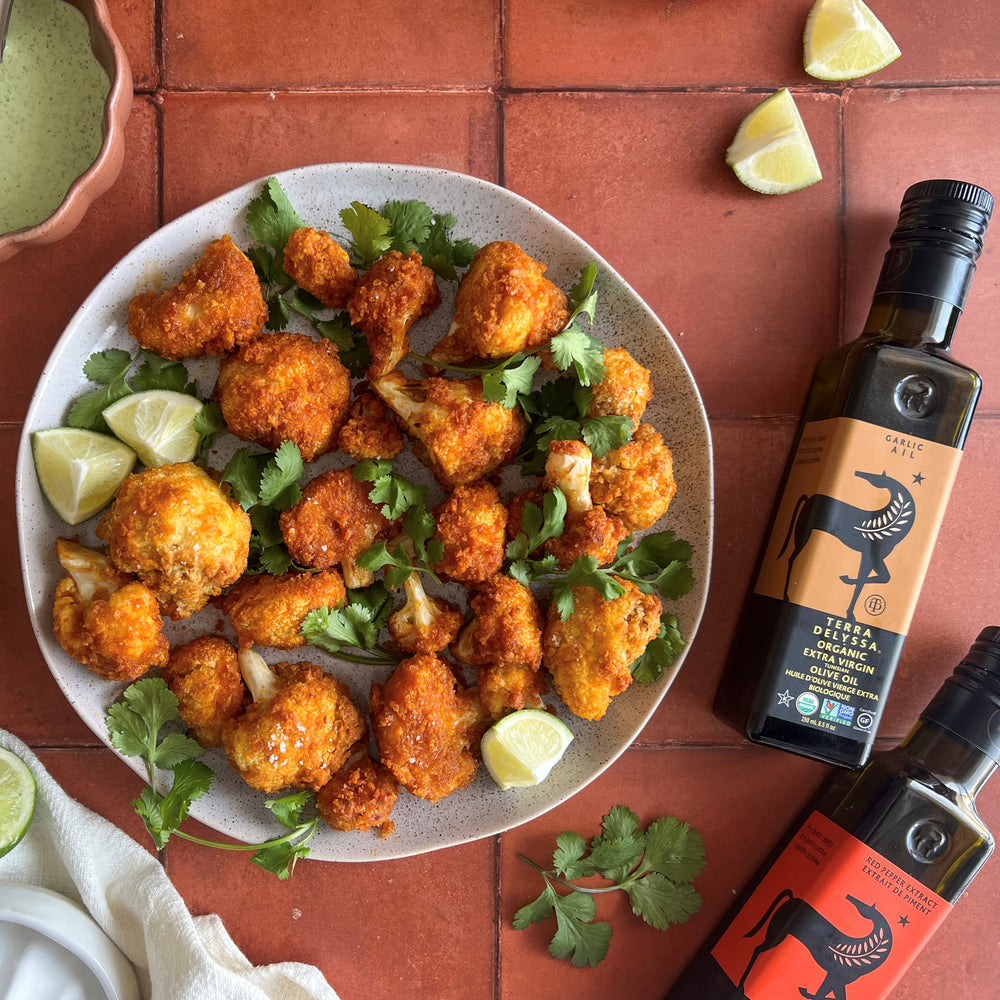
300, 729
636, 481
177, 530
503, 305
458, 435
360, 796
267, 610
204, 675
105, 620
625, 390
333, 524
504, 639
424, 624
315, 261
588, 530
370, 430
427, 727
590, 654
390, 297
471, 524
285, 386
216, 306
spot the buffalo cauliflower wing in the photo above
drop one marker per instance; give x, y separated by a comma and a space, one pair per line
300, 729
315, 261
424, 624
390, 297
589, 655
636, 481
471, 524
267, 610
456, 433
180, 533
104, 619
204, 675
427, 727
285, 386
370, 430
216, 306
333, 523
360, 796
504, 304
625, 389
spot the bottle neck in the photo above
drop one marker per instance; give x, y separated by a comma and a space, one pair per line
911, 320
948, 757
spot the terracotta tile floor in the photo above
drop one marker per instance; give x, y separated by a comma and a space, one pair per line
615, 118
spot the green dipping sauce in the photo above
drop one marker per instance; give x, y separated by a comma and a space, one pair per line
52, 95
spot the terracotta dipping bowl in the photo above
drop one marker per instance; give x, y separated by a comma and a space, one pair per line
102, 173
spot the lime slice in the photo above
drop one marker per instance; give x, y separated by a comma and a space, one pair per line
158, 424
844, 40
79, 470
523, 747
771, 151
17, 800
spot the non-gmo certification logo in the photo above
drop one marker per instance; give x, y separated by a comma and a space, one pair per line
807, 703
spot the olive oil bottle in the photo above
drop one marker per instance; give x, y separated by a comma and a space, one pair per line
863, 495
873, 865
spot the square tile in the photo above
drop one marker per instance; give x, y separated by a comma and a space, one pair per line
746, 283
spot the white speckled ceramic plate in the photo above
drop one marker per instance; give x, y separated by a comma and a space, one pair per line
484, 212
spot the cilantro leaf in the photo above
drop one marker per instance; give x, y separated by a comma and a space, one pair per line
271, 218
576, 938
394, 492
279, 482
409, 224
506, 384
370, 232
352, 346
661, 902
582, 351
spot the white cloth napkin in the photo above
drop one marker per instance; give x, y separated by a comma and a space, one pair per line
74, 851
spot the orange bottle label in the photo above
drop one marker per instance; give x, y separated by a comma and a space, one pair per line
857, 523
831, 920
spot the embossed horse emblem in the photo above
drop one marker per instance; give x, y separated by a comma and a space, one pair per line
873, 534
842, 958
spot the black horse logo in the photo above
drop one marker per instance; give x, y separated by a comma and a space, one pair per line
844, 959
873, 534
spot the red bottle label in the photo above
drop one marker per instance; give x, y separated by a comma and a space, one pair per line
831, 920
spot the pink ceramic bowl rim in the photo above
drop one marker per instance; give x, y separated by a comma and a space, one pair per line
102, 173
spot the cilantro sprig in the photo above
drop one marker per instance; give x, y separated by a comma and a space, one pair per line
355, 625
653, 867
111, 369
135, 725
573, 347
264, 485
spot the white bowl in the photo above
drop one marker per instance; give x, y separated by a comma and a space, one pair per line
50, 948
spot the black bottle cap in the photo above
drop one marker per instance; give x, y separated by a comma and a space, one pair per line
937, 240
968, 704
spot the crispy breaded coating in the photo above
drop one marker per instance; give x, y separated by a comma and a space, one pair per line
216, 306
370, 430
180, 533
625, 390
471, 524
315, 261
299, 737
424, 624
589, 654
588, 530
267, 610
285, 386
390, 297
504, 304
427, 727
360, 796
636, 481
104, 619
204, 675
504, 639
457, 434
333, 523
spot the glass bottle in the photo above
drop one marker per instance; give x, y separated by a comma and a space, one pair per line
863, 495
874, 863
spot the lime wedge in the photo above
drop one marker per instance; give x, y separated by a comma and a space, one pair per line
79, 470
158, 424
17, 800
771, 151
523, 747
844, 40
